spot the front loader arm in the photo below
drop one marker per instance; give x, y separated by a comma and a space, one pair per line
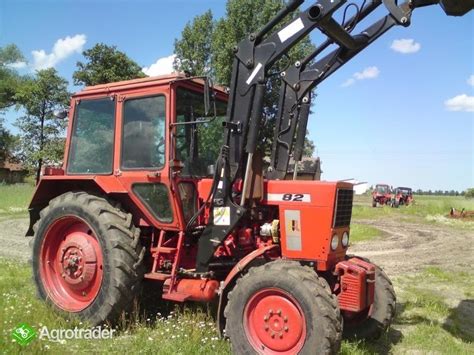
301, 78
254, 56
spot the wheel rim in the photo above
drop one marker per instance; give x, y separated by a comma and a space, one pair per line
274, 322
71, 264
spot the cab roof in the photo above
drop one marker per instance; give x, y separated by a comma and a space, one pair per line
140, 83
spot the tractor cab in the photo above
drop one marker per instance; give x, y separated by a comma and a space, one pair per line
152, 137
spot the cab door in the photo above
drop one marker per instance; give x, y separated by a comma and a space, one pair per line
142, 151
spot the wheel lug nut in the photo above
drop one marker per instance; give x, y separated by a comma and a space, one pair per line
83, 293
265, 318
272, 335
266, 327
286, 329
285, 319
280, 335
270, 312
279, 312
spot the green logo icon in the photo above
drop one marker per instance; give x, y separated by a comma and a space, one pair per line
23, 334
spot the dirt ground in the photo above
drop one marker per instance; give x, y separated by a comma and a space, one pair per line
409, 247
405, 247
13, 243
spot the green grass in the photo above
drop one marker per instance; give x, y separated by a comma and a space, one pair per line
427, 321
362, 233
428, 209
14, 199
181, 331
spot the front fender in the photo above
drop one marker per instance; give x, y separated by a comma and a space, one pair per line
236, 271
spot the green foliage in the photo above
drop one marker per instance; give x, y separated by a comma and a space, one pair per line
7, 143
469, 193
105, 64
206, 47
10, 81
41, 138
193, 51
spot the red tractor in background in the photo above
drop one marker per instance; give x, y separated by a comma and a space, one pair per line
145, 195
402, 196
382, 195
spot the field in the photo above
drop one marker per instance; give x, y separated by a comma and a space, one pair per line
428, 257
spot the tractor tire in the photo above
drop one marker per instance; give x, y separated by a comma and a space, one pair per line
380, 316
87, 258
283, 307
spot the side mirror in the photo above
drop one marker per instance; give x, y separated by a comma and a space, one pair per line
209, 97
60, 114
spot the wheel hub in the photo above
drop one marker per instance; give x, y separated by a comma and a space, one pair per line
71, 267
77, 260
275, 322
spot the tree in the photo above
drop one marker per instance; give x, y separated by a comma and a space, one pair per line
41, 138
7, 143
204, 54
105, 64
10, 81
193, 51
469, 193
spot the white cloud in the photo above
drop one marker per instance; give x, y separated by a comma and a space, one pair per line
17, 65
161, 67
460, 103
470, 81
62, 49
367, 73
348, 82
405, 46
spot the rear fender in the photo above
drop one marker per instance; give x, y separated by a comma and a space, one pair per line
49, 188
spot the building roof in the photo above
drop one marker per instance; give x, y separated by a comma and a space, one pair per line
11, 166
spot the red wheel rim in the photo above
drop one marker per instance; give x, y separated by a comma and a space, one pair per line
274, 322
71, 264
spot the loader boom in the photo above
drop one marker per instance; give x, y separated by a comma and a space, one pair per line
254, 56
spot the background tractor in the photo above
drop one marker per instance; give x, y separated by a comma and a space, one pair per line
402, 196
148, 192
382, 195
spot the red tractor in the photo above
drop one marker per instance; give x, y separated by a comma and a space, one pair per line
382, 195
145, 193
402, 196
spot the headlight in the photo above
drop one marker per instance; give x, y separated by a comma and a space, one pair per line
334, 242
345, 239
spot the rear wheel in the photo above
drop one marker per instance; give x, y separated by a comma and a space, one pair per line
283, 308
372, 324
87, 257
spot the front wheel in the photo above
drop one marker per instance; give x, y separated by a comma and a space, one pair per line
283, 308
372, 324
87, 257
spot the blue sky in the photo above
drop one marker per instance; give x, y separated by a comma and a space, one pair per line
402, 112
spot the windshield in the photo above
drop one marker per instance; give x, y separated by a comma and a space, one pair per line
197, 145
382, 189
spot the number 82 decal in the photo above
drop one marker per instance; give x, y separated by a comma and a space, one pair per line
289, 197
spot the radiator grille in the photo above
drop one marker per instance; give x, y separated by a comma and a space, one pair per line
342, 217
